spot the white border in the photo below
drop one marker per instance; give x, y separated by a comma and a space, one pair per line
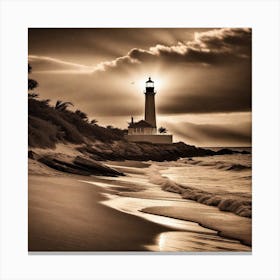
262, 16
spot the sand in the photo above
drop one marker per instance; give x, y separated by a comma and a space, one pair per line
127, 213
65, 215
209, 218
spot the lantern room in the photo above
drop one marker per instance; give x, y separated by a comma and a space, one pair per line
149, 83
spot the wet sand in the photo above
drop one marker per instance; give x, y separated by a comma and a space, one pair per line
64, 214
127, 213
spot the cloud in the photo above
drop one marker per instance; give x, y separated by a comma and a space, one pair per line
217, 46
116, 63
225, 40
49, 64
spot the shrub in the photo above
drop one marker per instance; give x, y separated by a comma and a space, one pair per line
48, 126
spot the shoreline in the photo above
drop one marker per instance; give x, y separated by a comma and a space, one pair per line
245, 241
223, 221
136, 203
54, 224
96, 223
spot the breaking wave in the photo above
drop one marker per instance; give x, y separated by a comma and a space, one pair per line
238, 203
223, 165
225, 202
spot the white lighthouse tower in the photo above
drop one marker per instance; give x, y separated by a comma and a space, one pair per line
146, 130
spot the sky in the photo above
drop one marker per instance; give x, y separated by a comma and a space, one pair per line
202, 77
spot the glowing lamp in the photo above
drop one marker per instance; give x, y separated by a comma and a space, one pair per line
149, 83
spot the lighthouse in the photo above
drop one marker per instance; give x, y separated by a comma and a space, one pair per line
146, 130
150, 110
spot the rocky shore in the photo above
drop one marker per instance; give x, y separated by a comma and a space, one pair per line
89, 143
86, 159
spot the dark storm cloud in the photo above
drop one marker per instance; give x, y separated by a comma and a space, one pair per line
236, 40
211, 47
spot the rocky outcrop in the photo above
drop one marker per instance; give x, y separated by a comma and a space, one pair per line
123, 150
87, 162
77, 165
95, 168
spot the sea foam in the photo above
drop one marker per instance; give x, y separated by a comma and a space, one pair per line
238, 202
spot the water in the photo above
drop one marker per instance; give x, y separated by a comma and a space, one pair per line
231, 173
184, 195
223, 181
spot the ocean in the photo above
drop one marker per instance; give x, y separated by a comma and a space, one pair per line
224, 181
205, 202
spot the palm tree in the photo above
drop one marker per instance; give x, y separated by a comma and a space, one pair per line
162, 130
45, 101
93, 122
33, 95
81, 114
32, 83
62, 106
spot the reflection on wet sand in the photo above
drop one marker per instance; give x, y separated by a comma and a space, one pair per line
184, 236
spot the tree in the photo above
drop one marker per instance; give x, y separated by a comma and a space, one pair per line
33, 95
45, 102
93, 122
32, 84
162, 130
82, 115
29, 68
62, 106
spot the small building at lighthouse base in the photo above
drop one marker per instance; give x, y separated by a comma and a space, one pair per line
142, 131
155, 138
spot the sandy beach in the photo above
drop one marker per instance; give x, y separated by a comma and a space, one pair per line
65, 215
127, 213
